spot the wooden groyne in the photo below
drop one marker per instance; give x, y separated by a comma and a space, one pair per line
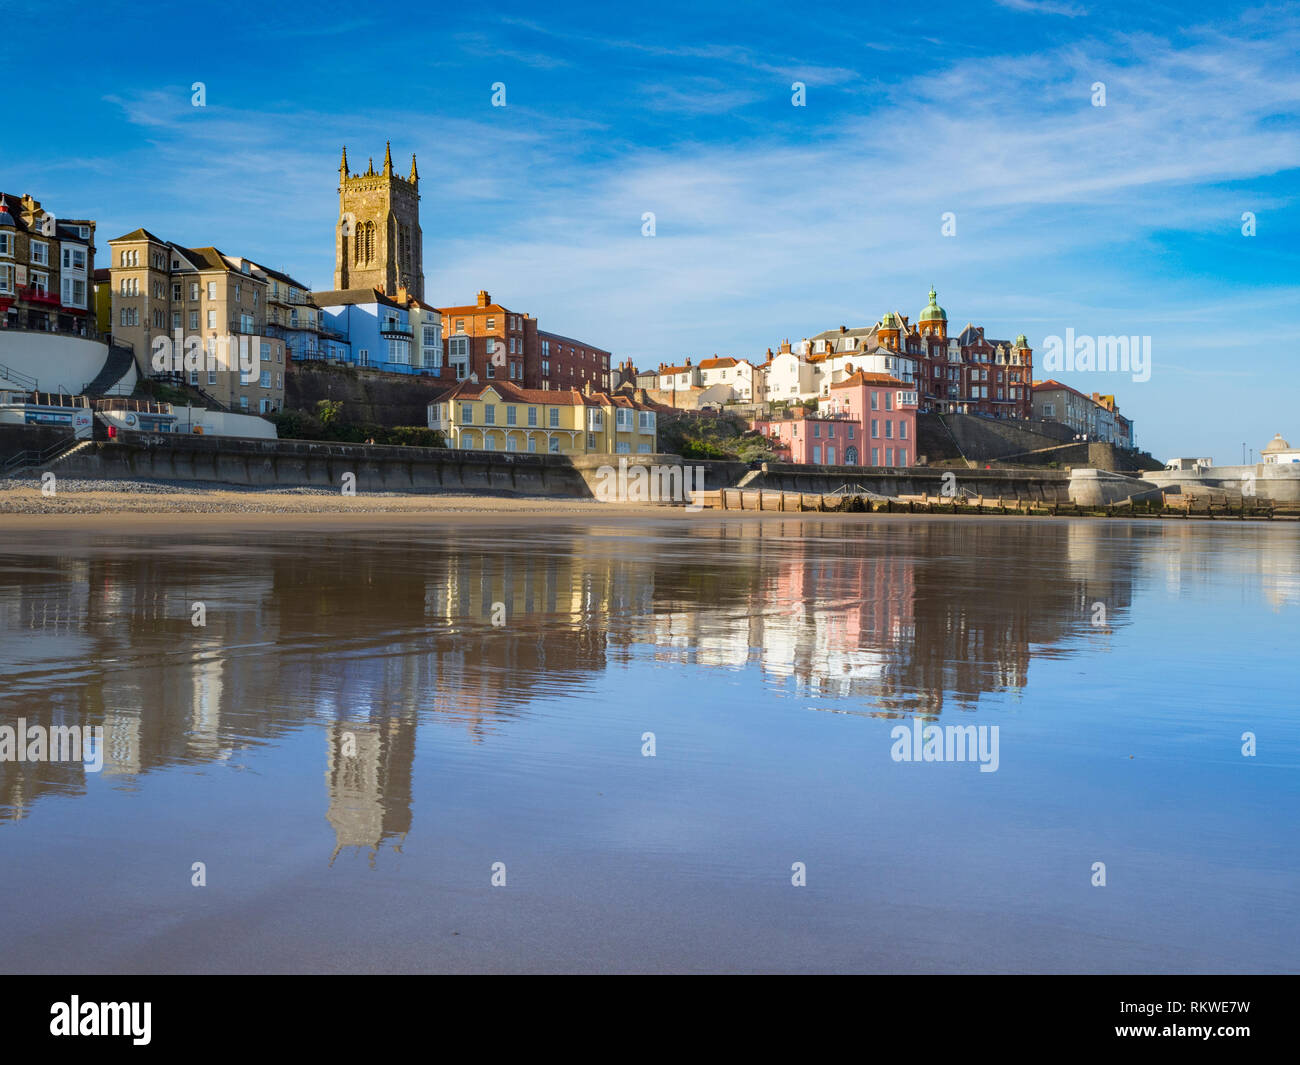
1170, 506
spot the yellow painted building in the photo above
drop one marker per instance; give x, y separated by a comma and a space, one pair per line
498, 416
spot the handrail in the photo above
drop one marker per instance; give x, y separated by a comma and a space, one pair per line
24, 459
19, 378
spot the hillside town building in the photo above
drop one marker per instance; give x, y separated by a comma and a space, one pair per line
161, 290
499, 416
47, 268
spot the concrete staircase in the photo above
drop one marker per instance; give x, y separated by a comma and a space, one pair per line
15, 379
116, 366
27, 460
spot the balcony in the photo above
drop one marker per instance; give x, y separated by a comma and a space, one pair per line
80, 327
393, 327
32, 294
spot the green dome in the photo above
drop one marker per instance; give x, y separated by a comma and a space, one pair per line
890, 321
933, 312
1022, 341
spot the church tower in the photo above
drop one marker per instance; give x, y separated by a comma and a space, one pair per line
377, 242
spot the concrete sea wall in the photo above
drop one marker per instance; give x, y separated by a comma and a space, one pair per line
305, 463
1278, 483
1044, 485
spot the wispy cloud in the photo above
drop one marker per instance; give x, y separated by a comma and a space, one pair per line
798, 218
1044, 7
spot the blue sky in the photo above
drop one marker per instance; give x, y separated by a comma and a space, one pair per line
772, 221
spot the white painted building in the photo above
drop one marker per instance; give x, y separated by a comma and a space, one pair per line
1277, 452
790, 378
743, 378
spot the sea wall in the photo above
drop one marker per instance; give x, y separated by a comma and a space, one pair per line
16, 438
1279, 483
1046, 485
298, 463
1099, 488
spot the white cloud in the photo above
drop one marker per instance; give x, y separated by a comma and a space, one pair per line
1044, 7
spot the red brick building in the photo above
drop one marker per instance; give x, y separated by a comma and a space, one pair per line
488, 340
966, 373
497, 344
567, 363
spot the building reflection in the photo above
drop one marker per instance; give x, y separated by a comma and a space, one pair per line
370, 641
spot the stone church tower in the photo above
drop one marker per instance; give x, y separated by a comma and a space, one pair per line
378, 243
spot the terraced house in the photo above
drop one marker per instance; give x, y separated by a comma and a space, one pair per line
160, 288
499, 416
966, 373
46, 269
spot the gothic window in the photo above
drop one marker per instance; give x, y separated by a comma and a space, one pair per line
364, 242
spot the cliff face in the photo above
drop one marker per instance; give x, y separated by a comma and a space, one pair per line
367, 395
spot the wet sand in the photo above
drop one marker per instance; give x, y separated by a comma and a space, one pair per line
23, 506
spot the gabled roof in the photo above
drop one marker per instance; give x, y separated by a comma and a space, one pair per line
139, 234
474, 308
1052, 385
971, 335
349, 297
208, 258
278, 276
568, 397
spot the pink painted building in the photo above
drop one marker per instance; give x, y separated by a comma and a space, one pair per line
814, 439
868, 420
885, 408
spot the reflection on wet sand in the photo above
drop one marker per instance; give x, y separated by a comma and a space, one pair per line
370, 638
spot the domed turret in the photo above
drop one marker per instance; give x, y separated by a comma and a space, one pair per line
934, 319
933, 312
1022, 341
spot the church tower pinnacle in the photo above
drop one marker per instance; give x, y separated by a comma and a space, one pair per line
378, 242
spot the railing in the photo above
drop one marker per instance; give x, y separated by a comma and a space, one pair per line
173, 377
26, 459
52, 399
25, 380
142, 406
32, 294
52, 327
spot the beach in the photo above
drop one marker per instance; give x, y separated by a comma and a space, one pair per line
173, 499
